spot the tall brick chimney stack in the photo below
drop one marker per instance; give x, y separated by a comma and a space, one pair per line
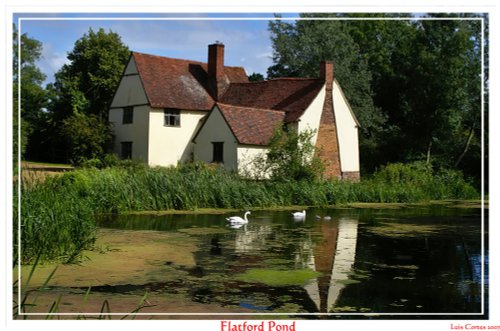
326, 73
216, 69
327, 142
216, 60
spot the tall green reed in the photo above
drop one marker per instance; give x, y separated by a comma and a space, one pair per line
58, 216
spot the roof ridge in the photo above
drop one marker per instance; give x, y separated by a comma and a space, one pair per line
167, 57
178, 59
280, 79
246, 107
293, 78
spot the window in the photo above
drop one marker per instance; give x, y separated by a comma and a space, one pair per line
128, 115
218, 152
126, 152
172, 117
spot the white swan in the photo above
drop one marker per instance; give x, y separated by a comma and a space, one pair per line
299, 214
327, 218
237, 219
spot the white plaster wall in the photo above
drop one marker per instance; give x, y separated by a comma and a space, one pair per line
216, 130
168, 144
311, 117
136, 132
347, 131
345, 256
246, 161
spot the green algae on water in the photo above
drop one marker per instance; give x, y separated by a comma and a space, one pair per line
396, 230
274, 277
201, 231
348, 281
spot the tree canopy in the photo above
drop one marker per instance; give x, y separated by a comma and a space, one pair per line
82, 93
298, 49
415, 85
28, 86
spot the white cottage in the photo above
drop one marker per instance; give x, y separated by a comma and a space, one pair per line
168, 110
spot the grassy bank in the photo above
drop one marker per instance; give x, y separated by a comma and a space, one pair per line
57, 215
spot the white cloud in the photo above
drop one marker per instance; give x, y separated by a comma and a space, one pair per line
189, 39
247, 42
51, 61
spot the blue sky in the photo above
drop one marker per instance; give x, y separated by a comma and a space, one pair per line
247, 40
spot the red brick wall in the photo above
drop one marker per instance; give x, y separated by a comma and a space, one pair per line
327, 143
216, 70
216, 61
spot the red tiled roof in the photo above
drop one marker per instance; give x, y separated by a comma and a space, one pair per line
251, 126
252, 109
292, 95
176, 83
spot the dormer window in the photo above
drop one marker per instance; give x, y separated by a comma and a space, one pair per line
172, 117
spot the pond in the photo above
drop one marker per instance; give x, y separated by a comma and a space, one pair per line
404, 262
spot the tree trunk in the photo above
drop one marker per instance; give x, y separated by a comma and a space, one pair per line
467, 145
429, 147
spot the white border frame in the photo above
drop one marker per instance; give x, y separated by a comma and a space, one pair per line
239, 11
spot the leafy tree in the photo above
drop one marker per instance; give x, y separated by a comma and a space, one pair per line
440, 93
87, 135
85, 87
256, 77
414, 85
89, 81
27, 85
290, 156
299, 47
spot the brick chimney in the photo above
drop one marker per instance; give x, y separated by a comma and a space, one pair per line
327, 142
326, 73
216, 60
216, 69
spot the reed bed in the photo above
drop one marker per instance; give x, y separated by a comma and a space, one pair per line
58, 215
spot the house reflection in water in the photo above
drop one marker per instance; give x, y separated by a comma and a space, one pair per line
334, 257
328, 247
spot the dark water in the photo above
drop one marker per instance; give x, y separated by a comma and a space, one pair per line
421, 262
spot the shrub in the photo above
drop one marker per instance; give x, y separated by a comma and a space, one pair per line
291, 156
92, 163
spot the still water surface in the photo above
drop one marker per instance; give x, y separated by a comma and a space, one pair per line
416, 260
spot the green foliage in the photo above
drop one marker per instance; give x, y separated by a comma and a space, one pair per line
414, 85
81, 96
87, 137
28, 90
423, 181
290, 156
256, 77
58, 216
89, 81
298, 49
109, 160
417, 173
52, 228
